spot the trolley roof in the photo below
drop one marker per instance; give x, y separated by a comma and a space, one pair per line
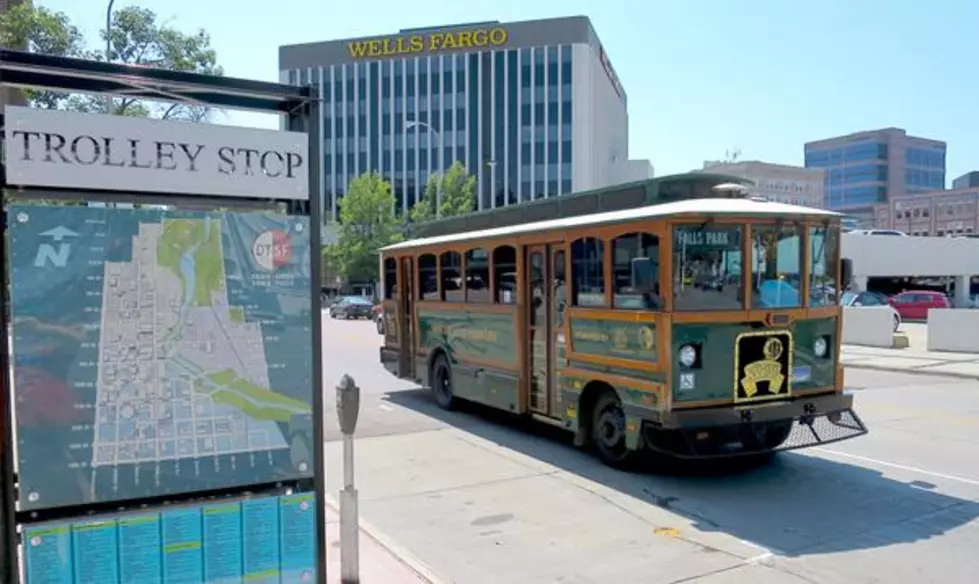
698, 207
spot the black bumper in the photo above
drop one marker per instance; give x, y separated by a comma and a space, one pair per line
711, 432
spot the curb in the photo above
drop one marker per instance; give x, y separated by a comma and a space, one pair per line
400, 553
912, 371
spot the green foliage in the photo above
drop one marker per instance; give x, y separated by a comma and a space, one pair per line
136, 37
458, 195
366, 225
39, 30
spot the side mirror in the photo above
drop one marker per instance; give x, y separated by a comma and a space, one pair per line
846, 271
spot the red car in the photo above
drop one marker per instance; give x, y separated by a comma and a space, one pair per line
914, 304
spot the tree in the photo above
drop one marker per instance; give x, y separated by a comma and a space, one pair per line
135, 38
39, 30
458, 195
366, 225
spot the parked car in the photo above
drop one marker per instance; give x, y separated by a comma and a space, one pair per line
914, 304
378, 315
853, 299
880, 232
351, 307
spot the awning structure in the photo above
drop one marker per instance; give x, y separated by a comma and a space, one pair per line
32, 70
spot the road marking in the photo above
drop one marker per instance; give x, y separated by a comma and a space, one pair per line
922, 414
948, 477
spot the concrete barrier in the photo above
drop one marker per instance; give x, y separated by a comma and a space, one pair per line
952, 329
870, 326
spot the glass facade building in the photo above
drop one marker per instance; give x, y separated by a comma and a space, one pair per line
501, 99
871, 168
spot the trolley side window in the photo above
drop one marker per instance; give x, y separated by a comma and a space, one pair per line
428, 283
450, 283
505, 274
635, 272
588, 272
477, 276
390, 278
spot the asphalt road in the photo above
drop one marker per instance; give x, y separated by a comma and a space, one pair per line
478, 499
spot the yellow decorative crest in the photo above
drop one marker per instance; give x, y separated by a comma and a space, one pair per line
620, 338
768, 369
772, 349
647, 338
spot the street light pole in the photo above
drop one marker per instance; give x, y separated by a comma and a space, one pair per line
438, 144
108, 47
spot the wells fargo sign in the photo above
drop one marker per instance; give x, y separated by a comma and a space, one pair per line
428, 43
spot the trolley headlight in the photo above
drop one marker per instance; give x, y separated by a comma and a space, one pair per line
688, 355
820, 347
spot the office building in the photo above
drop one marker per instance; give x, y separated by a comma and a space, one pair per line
871, 168
967, 180
794, 185
938, 213
532, 109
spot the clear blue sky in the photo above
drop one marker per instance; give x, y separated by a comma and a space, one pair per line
703, 76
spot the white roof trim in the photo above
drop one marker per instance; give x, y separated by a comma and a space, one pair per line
685, 207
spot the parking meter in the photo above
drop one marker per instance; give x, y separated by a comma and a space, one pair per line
348, 404
348, 408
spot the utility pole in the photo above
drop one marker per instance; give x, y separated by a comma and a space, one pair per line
108, 48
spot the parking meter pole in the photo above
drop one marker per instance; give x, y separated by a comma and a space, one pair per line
349, 528
348, 409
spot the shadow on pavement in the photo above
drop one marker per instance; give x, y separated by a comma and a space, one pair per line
794, 505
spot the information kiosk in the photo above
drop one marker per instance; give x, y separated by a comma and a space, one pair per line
162, 422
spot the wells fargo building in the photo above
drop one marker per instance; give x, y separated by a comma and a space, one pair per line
533, 109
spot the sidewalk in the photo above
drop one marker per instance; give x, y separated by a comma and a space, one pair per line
378, 564
912, 360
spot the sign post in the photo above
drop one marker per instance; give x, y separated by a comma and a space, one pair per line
165, 353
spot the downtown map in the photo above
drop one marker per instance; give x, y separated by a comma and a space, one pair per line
158, 352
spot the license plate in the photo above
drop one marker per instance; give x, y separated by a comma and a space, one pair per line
762, 366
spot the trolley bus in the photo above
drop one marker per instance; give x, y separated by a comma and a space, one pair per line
696, 328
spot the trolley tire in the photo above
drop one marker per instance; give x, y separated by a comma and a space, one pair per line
441, 381
607, 433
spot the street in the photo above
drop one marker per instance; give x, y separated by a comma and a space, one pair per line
472, 498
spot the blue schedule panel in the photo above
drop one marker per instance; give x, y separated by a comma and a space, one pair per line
95, 546
260, 540
140, 546
182, 547
47, 551
222, 543
297, 538
263, 540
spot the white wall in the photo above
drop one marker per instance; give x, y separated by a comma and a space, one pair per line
950, 329
895, 256
600, 127
870, 326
